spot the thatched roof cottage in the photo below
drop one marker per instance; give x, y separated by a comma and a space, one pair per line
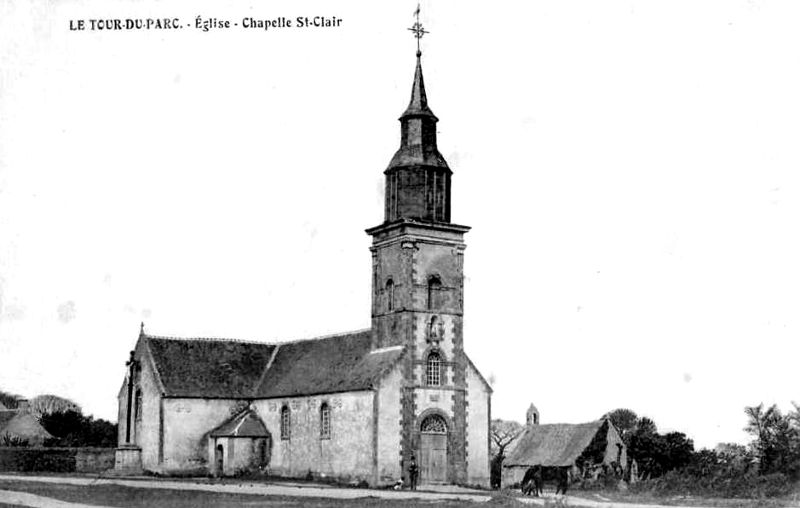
581, 446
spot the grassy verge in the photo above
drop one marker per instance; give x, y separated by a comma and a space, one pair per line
687, 500
615, 496
130, 497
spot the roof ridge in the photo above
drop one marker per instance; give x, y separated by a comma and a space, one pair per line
591, 422
244, 341
322, 337
208, 339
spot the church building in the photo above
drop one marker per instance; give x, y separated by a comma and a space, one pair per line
357, 406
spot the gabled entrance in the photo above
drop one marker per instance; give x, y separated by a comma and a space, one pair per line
242, 443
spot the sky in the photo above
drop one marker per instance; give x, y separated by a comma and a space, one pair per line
629, 170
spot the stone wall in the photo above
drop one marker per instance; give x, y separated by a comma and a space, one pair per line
147, 428
348, 452
239, 454
94, 460
613, 452
511, 477
478, 416
56, 460
389, 428
187, 423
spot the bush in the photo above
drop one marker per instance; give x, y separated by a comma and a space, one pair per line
602, 482
37, 459
9, 440
734, 485
72, 429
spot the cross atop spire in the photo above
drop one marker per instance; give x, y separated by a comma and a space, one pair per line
418, 30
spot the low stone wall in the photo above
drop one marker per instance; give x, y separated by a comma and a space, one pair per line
56, 460
94, 460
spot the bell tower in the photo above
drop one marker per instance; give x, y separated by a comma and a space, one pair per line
418, 293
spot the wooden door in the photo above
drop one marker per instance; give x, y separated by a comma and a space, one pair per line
433, 463
219, 459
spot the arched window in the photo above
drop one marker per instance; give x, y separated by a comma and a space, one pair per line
137, 408
390, 294
286, 423
324, 421
434, 285
433, 424
433, 370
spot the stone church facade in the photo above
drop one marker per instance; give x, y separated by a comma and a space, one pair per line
357, 406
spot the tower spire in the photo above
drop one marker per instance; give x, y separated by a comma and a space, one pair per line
419, 101
418, 178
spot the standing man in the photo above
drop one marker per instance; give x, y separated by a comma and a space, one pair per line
413, 472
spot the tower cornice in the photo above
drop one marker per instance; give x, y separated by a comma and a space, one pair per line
423, 230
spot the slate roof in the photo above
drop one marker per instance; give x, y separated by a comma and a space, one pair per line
556, 444
210, 368
336, 364
245, 424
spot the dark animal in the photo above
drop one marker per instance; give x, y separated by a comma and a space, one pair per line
532, 481
563, 481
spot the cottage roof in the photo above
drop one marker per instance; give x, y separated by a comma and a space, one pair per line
556, 444
22, 424
245, 424
232, 369
6, 415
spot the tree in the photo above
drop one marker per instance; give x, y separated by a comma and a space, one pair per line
646, 426
9, 400
624, 421
502, 434
63, 425
777, 438
71, 428
46, 404
677, 451
647, 448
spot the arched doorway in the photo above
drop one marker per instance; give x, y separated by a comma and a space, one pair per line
433, 449
219, 454
263, 447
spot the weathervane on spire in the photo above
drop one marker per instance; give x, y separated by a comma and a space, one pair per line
418, 30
